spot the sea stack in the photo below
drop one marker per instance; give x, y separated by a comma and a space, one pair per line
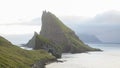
60, 36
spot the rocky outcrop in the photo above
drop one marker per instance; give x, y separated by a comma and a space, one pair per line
57, 38
31, 43
42, 63
54, 30
39, 42
39, 64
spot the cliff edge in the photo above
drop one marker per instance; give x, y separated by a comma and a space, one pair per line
12, 56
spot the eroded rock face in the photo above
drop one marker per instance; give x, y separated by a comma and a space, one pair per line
31, 43
54, 30
57, 38
39, 42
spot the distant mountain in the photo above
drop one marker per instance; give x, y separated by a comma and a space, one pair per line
87, 38
105, 26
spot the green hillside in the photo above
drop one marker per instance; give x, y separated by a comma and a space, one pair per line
12, 56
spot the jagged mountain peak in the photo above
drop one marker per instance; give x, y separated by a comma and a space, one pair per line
60, 38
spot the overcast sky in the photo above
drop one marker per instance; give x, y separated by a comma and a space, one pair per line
25, 10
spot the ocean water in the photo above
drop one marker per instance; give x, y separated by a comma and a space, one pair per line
109, 58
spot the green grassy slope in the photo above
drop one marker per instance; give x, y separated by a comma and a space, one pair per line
12, 56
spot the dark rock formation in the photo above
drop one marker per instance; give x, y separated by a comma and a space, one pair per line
39, 42
42, 63
54, 30
57, 38
39, 64
31, 42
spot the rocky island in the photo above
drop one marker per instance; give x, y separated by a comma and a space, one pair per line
54, 39
57, 38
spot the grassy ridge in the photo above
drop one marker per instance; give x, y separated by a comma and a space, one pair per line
12, 56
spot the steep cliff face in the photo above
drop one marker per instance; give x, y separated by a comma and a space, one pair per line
57, 38
31, 43
39, 42
54, 30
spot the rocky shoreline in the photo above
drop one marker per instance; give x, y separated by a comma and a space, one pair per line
42, 63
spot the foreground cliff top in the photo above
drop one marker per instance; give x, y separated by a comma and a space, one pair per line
12, 56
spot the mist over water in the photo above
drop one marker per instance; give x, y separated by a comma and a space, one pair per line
19, 34
109, 58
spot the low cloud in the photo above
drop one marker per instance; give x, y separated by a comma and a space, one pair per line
36, 21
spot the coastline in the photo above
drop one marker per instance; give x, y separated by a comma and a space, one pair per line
42, 63
97, 59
